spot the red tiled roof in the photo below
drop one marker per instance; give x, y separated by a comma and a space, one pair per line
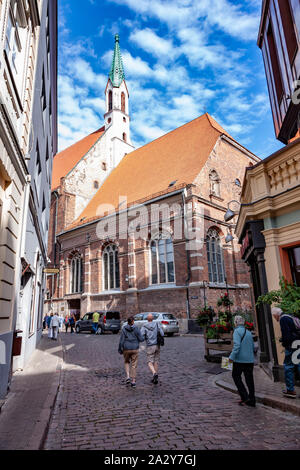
66, 160
175, 157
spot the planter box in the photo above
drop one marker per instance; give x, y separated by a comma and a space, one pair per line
223, 343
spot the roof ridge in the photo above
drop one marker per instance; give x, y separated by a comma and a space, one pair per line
170, 132
78, 141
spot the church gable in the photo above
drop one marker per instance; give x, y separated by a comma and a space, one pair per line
65, 161
222, 176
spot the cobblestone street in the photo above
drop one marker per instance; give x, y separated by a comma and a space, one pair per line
95, 410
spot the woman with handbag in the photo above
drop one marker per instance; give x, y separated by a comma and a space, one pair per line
242, 357
154, 336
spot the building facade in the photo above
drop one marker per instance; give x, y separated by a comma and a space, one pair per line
269, 222
130, 249
279, 40
20, 88
43, 147
269, 231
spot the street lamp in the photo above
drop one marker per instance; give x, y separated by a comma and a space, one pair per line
230, 214
228, 238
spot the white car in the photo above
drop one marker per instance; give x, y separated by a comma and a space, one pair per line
167, 321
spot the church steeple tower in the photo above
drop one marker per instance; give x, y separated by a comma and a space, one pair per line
117, 99
117, 74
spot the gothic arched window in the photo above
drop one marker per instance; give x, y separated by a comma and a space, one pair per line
214, 182
215, 258
111, 268
110, 100
76, 274
162, 261
124, 137
123, 102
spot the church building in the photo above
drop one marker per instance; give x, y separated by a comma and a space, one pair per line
115, 213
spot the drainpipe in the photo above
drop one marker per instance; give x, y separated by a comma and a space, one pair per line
187, 255
25, 214
55, 276
55, 224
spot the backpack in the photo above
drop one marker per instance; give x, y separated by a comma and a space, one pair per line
296, 321
297, 324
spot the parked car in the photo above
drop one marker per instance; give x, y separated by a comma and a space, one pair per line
108, 321
168, 321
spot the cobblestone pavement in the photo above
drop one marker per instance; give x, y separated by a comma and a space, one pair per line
185, 411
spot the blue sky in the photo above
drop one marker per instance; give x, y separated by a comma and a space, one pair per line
181, 57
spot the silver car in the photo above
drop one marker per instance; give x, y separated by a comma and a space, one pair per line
168, 322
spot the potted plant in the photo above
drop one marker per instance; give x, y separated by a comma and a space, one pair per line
224, 301
287, 298
205, 316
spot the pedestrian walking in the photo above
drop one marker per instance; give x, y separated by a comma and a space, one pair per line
66, 323
49, 325
45, 321
151, 333
242, 356
129, 346
96, 316
72, 323
61, 322
290, 331
54, 325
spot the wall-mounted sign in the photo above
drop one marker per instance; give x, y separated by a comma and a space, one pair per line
51, 271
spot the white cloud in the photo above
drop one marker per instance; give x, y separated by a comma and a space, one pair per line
148, 40
227, 15
175, 70
135, 66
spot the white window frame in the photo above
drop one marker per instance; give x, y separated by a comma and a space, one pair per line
12, 43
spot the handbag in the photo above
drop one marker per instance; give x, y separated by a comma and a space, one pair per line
160, 338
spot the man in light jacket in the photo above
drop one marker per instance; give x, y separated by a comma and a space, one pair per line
54, 325
149, 332
242, 356
129, 346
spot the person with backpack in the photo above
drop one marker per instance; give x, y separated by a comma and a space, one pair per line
290, 331
129, 346
154, 335
242, 356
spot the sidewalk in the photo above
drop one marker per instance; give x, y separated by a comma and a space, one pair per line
26, 412
266, 391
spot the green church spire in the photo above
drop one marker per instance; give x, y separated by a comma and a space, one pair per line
117, 74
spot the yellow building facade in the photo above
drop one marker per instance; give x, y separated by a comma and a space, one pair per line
268, 229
